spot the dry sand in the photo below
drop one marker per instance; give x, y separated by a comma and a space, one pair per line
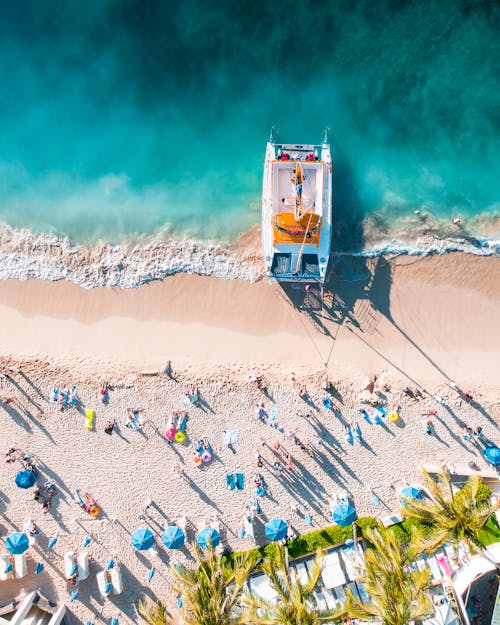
410, 321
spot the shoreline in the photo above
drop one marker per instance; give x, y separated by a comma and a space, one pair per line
26, 255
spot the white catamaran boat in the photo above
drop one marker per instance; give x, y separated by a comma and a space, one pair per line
297, 211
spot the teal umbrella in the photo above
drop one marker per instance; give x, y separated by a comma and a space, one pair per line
143, 539
17, 543
208, 536
173, 537
25, 479
344, 515
276, 529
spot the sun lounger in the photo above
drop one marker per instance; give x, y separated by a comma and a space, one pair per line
302, 574
365, 597
102, 584
83, 566
340, 592
182, 522
248, 529
240, 481
214, 523
20, 565
320, 600
436, 573
69, 564
332, 573
273, 415
353, 588
4, 563
330, 599
115, 575
261, 586
230, 483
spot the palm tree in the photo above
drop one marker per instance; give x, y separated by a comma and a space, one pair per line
154, 612
452, 516
396, 591
294, 605
211, 591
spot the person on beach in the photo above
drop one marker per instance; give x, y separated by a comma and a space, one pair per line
109, 427
74, 396
261, 412
103, 393
347, 434
167, 369
259, 459
277, 468
427, 426
302, 393
10, 454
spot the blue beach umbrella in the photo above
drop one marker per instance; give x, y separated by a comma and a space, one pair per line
39, 568
149, 575
143, 539
52, 542
492, 455
89, 623
409, 492
114, 621
17, 543
173, 537
276, 529
206, 536
344, 515
25, 479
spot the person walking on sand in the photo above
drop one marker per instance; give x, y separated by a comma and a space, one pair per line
167, 369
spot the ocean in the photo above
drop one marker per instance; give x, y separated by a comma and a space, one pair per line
145, 123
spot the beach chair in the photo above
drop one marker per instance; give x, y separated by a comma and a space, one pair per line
102, 584
4, 563
248, 529
83, 566
354, 589
182, 522
320, 600
115, 575
69, 564
273, 415
340, 592
331, 602
230, 483
343, 498
364, 596
214, 523
20, 565
240, 481
302, 574
436, 573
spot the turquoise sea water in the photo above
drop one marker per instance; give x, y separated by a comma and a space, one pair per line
124, 119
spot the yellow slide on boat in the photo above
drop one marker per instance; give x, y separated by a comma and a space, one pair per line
89, 418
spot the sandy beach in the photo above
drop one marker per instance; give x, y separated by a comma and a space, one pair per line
409, 322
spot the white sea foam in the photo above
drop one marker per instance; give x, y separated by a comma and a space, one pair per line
25, 255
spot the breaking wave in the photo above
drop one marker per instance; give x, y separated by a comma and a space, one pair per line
25, 255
